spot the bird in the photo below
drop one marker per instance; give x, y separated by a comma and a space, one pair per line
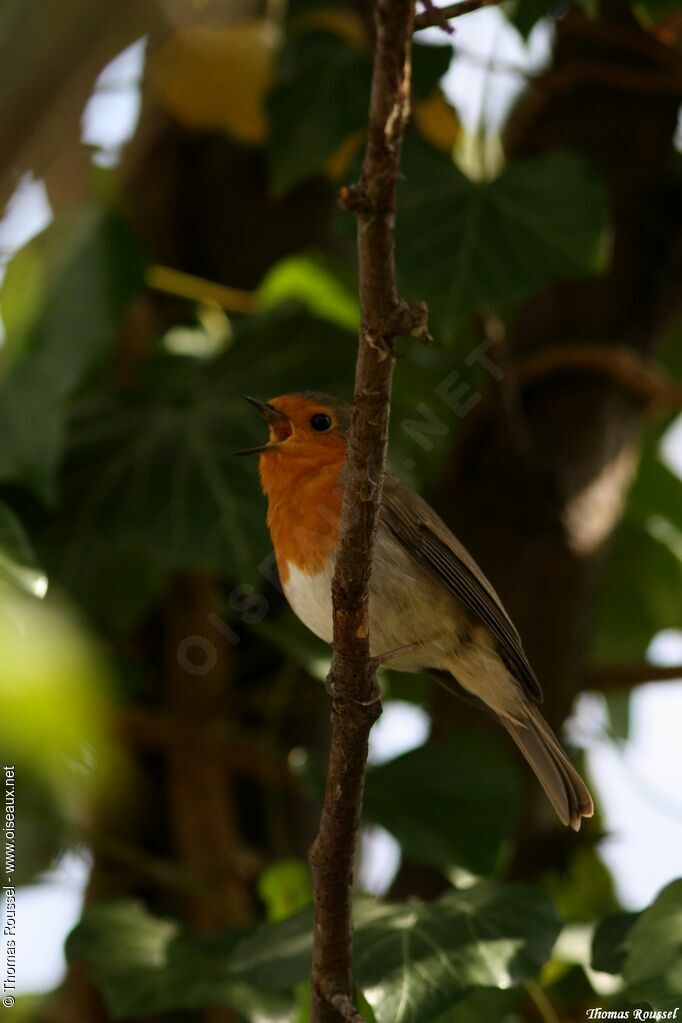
429, 602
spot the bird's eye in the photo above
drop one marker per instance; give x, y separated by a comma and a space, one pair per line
320, 422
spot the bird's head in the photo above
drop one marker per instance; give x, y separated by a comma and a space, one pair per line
303, 426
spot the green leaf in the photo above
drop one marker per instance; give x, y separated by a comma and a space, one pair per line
465, 245
276, 955
65, 294
641, 592
152, 475
144, 965
308, 280
416, 960
485, 1005
583, 888
320, 98
429, 64
285, 887
652, 969
18, 563
609, 947
412, 960
525, 14
53, 689
452, 805
656, 489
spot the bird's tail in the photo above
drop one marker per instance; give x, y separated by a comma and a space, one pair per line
566, 790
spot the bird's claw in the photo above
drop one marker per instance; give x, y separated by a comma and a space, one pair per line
390, 655
329, 686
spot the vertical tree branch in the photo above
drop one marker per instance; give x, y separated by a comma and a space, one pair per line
355, 697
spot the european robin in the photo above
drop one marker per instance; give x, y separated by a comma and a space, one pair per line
429, 602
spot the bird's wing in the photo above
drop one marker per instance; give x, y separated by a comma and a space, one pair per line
428, 540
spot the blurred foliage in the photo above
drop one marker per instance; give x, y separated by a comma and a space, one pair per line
470, 246
411, 960
120, 412
471, 782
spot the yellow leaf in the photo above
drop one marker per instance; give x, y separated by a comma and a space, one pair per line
339, 162
212, 78
437, 121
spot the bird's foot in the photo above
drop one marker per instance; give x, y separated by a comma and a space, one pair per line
390, 655
331, 691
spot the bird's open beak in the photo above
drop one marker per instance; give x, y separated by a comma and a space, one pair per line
273, 417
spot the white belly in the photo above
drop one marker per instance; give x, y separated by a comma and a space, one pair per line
310, 598
405, 608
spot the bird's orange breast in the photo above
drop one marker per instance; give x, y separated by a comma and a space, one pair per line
304, 507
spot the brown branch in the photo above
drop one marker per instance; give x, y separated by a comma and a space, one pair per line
352, 681
623, 364
614, 678
440, 16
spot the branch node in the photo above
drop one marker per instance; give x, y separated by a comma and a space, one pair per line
382, 344
438, 18
345, 1006
373, 701
412, 321
354, 199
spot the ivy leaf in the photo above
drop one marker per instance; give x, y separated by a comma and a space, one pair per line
609, 947
488, 936
465, 245
64, 295
144, 965
472, 780
652, 969
415, 960
320, 98
151, 478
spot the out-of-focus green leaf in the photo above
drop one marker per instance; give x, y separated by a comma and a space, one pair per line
65, 294
320, 98
652, 970
525, 14
609, 947
429, 64
42, 824
452, 805
144, 965
584, 890
467, 245
285, 887
309, 281
414, 960
485, 1005
18, 563
52, 684
618, 712
411, 960
656, 489
152, 474
641, 593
